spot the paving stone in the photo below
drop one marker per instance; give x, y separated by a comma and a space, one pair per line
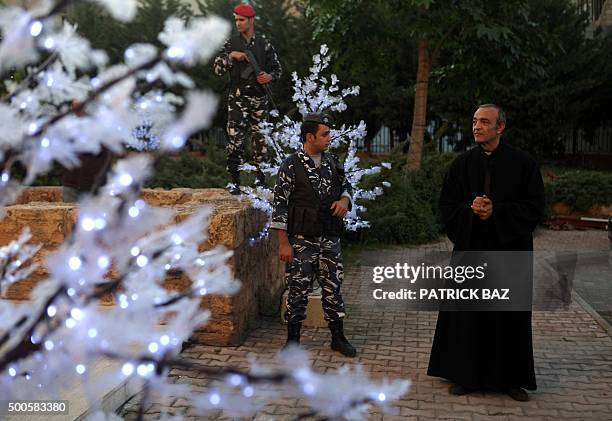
572, 352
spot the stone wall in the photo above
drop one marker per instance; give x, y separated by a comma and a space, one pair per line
231, 224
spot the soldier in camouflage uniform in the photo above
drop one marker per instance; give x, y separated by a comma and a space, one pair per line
247, 102
311, 197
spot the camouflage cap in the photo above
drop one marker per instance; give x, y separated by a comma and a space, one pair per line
320, 118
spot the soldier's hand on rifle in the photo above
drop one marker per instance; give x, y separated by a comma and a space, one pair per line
238, 56
263, 78
340, 207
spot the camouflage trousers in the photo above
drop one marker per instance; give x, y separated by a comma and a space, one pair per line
244, 115
320, 258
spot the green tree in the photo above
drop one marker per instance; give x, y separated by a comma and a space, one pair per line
560, 83
436, 28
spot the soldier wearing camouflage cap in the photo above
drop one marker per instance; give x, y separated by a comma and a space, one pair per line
311, 198
247, 101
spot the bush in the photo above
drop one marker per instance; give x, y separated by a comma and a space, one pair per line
194, 170
408, 211
580, 189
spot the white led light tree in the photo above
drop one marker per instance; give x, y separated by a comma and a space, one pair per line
317, 92
120, 245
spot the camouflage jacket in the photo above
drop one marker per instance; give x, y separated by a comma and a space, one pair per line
320, 178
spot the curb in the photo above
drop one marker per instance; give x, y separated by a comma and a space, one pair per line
587, 307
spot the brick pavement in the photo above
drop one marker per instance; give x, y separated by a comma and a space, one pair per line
573, 354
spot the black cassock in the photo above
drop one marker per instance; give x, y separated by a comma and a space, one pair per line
489, 350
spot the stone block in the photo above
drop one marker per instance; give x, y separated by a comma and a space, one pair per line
232, 223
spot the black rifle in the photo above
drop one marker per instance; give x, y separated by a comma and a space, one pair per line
255, 67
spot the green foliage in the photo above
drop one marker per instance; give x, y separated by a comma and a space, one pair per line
529, 56
108, 34
407, 213
550, 78
189, 170
580, 189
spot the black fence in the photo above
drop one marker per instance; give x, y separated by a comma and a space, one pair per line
596, 142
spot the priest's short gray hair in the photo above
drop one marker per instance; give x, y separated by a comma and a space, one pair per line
501, 115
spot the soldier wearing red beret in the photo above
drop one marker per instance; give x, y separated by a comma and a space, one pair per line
247, 101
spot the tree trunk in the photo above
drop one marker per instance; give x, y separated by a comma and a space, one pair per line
419, 120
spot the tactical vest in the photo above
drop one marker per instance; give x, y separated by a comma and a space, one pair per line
309, 215
238, 43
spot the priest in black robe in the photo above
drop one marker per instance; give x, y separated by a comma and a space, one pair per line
492, 199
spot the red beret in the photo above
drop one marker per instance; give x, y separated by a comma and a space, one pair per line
245, 10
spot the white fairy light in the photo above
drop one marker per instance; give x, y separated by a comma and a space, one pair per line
214, 398
5, 177
80, 368
71, 292
142, 261
133, 212
153, 347
142, 370
77, 314
45, 142
248, 391
203, 291
135, 251
49, 345
382, 397
235, 380
308, 388
51, 311
92, 332
74, 263
177, 239
103, 262
175, 52
88, 224
70, 323
125, 179
127, 369
36, 28
178, 142
164, 340
100, 223
12, 372
49, 43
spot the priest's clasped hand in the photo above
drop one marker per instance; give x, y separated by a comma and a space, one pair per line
482, 207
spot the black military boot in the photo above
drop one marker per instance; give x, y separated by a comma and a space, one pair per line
293, 334
235, 177
339, 342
